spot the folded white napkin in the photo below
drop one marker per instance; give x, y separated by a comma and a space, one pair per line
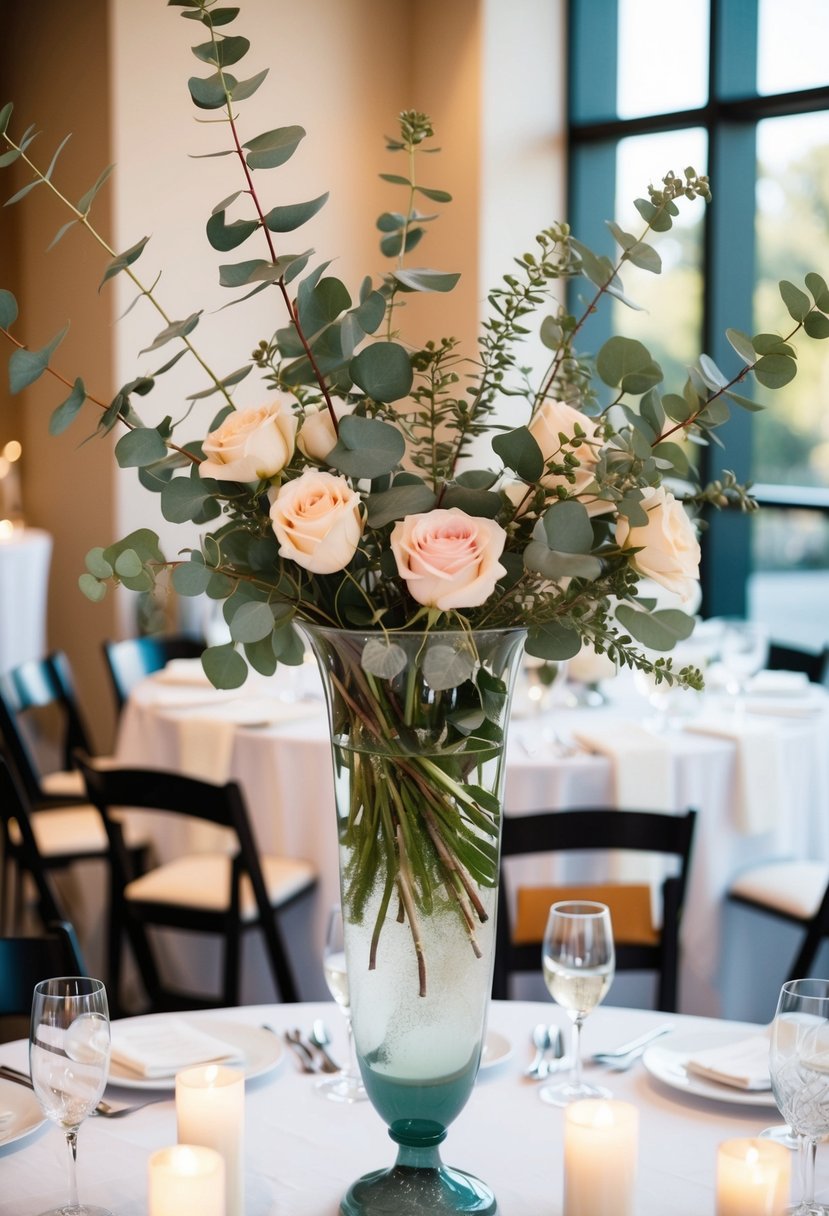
778, 684
183, 671
644, 780
642, 767
744, 1065
164, 1046
759, 787
206, 733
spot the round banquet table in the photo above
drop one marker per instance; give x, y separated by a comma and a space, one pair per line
284, 768
25, 556
303, 1151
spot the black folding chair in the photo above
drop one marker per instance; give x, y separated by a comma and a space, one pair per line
226, 892
641, 945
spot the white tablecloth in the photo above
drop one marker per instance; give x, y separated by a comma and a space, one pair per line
303, 1151
25, 555
286, 773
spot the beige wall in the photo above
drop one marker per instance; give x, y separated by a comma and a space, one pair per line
483, 69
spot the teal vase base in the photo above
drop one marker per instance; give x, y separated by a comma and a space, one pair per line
407, 1191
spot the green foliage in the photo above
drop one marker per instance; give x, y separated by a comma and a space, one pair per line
408, 425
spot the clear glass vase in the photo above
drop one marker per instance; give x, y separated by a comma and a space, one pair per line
418, 724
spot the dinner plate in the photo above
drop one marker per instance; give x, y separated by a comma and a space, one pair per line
497, 1048
262, 1050
20, 1112
666, 1061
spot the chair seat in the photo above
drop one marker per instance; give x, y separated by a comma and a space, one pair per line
793, 888
65, 831
202, 881
64, 784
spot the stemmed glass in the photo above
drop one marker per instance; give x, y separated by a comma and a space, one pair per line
744, 650
345, 1085
578, 961
799, 1070
69, 1063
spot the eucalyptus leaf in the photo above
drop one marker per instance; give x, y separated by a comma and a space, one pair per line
382, 658
92, 588
293, 216
520, 452
274, 148
123, 260
366, 448
425, 280
190, 578
773, 371
383, 371
26, 366
816, 325
552, 640
445, 667
224, 666
242, 89
224, 236
566, 527
176, 329
817, 285
209, 94
252, 623
8, 309
140, 447
97, 564
398, 502
796, 301
223, 52
656, 630
483, 503
67, 411
742, 344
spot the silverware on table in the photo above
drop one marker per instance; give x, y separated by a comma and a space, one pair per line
635, 1046
107, 1110
320, 1038
301, 1050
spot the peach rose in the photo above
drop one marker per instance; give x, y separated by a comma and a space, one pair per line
250, 444
317, 520
557, 418
316, 435
448, 559
669, 551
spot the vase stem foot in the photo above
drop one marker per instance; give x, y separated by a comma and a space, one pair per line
403, 1191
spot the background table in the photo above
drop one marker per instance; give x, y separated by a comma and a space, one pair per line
285, 771
303, 1151
25, 556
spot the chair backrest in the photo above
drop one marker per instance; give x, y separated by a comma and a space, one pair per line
814, 663
586, 831
15, 806
39, 685
25, 961
132, 659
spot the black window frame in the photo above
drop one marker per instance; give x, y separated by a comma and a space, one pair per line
729, 118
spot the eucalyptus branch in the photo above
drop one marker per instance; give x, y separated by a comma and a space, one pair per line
293, 312
82, 218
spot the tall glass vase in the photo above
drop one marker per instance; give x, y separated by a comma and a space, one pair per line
418, 724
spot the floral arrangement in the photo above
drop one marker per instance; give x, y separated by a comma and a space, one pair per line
362, 492
384, 488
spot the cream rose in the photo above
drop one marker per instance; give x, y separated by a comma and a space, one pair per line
669, 551
447, 558
317, 520
316, 436
556, 418
250, 444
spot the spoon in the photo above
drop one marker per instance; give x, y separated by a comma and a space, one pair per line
542, 1042
321, 1038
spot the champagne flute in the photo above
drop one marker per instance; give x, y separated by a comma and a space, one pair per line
799, 1070
69, 1062
578, 961
345, 1085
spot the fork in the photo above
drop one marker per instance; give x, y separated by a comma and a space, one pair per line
107, 1110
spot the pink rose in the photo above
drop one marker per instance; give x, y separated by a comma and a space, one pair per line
316, 435
250, 444
448, 559
317, 520
669, 551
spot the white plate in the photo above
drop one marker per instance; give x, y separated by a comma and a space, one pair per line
497, 1048
262, 1051
666, 1061
22, 1110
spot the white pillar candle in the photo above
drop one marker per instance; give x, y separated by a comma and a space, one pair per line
600, 1151
752, 1178
210, 1110
186, 1178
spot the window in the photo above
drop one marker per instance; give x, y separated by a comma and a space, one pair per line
738, 89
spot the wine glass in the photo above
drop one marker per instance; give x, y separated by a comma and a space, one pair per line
578, 961
744, 650
345, 1085
799, 1070
69, 1063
